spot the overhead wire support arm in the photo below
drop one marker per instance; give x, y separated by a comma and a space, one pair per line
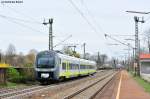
106, 35
120, 35
62, 41
138, 12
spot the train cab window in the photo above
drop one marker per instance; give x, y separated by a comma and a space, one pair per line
45, 62
64, 66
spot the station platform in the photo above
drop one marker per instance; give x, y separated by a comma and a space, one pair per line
124, 87
128, 88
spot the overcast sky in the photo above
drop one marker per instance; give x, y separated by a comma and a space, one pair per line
106, 16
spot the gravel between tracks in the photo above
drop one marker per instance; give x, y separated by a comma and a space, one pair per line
62, 92
89, 92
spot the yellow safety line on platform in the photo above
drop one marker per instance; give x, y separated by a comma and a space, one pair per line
118, 92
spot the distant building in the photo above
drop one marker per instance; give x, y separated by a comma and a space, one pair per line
145, 66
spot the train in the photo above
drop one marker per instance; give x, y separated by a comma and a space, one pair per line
52, 65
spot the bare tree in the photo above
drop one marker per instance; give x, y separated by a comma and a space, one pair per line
147, 35
30, 58
20, 60
33, 51
11, 50
67, 50
10, 55
103, 58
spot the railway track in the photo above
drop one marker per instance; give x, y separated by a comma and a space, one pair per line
29, 91
90, 91
6, 90
9, 94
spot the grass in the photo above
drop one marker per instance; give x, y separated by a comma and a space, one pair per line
15, 85
142, 82
11, 85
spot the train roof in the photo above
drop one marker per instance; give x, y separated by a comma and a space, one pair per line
69, 57
75, 58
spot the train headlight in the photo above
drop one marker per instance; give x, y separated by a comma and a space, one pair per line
44, 75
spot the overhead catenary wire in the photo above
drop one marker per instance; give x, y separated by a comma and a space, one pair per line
14, 20
20, 13
63, 41
106, 35
121, 35
83, 16
22, 20
35, 30
92, 17
21, 24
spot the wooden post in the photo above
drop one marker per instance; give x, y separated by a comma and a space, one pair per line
5, 76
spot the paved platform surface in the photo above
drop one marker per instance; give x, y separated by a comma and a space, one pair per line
130, 89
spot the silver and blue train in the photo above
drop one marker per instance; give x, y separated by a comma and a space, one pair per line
51, 65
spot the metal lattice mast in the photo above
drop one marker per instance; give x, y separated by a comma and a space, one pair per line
137, 44
50, 33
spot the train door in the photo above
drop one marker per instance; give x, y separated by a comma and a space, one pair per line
67, 69
64, 69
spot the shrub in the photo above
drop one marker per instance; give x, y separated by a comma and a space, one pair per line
20, 76
29, 65
13, 75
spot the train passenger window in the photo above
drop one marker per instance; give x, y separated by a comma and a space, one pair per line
73, 66
82, 66
70, 66
59, 61
87, 67
77, 67
90, 67
64, 66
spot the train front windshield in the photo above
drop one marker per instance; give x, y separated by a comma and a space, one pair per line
45, 62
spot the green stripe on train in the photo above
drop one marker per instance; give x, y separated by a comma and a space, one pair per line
69, 74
